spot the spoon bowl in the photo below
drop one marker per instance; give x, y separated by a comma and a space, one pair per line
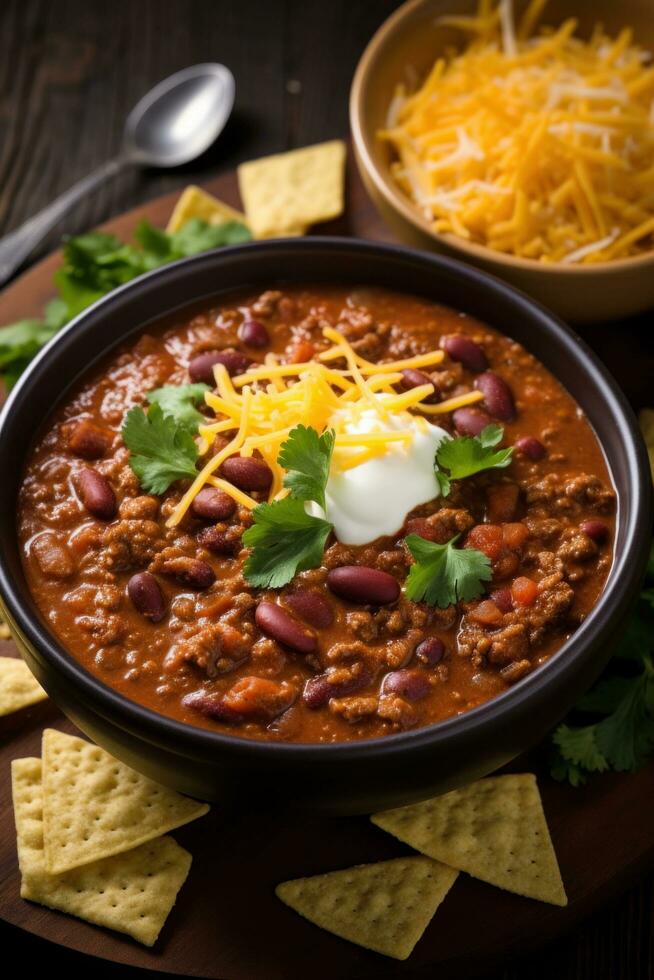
181, 117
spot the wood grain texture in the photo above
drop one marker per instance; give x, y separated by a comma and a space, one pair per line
69, 72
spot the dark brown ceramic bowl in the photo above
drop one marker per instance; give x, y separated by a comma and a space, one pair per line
355, 776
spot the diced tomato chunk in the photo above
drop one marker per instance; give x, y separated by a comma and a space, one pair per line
300, 351
524, 591
515, 535
486, 613
487, 538
502, 502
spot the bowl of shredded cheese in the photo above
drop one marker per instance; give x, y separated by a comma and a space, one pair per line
518, 135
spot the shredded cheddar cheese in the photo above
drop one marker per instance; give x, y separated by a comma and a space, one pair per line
261, 407
536, 145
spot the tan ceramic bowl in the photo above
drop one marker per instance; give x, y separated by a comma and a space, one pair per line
403, 50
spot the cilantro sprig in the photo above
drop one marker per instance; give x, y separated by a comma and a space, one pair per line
284, 538
96, 263
179, 401
161, 451
443, 574
306, 457
612, 726
467, 455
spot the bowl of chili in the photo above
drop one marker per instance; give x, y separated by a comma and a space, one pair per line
385, 666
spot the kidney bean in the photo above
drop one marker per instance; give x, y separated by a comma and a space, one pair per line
409, 684
312, 607
222, 540
470, 421
597, 531
144, 591
278, 624
194, 572
412, 378
431, 651
253, 333
211, 705
247, 472
359, 583
531, 447
96, 494
503, 600
498, 397
213, 504
201, 367
319, 690
88, 440
465, 351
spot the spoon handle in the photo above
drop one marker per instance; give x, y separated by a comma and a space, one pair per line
17, 246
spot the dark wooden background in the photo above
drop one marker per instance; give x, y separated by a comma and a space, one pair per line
69, 72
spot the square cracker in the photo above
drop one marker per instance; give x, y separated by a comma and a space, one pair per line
18, 688
95, 806
291, 191
194, 202
131, 892
494, 829
385, 907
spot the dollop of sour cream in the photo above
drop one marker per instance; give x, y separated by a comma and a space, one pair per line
373, 498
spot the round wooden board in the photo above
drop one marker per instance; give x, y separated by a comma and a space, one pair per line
227, 922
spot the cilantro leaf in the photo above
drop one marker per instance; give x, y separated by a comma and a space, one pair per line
199, 236
443, 574
284, 540
21, 341
307, 458
179, 401
467, 455
160, 450
579, 747
626, 737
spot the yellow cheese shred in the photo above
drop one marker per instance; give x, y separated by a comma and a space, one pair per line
538, 144
261, 406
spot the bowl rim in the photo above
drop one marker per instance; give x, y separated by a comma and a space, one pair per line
186, 739
397, 200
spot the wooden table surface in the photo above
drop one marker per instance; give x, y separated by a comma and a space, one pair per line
69, 72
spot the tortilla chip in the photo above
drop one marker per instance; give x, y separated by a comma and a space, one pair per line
494, 829
95, 806
18, 688
196, 203
289, 191
385, 907
646, 419
131, 892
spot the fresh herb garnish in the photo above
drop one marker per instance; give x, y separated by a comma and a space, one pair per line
179, 401
94, 265
618, 711
161, 451
284, 540
467, 455
307, 457
443, 574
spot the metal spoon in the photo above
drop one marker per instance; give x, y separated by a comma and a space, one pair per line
174, 123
